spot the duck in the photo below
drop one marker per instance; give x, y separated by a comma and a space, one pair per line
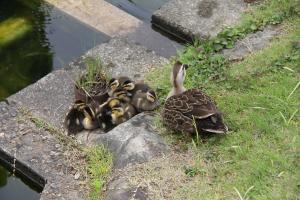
145, 100
191, 110
80, 116
120, 111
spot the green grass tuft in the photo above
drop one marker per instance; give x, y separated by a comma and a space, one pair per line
99, 161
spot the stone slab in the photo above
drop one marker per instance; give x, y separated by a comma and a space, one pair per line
41, 152
99, 14
115, 22
252, 43
134, 141
123, 57
162, 44
191, 19
49, 98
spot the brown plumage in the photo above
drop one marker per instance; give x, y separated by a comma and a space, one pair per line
188, 110
145, 100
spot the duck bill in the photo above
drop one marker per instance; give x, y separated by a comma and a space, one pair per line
218, 131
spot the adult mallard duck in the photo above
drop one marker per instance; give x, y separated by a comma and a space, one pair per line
190, 110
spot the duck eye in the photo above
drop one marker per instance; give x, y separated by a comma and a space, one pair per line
214, 119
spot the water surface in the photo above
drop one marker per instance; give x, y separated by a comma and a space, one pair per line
36, 38
12, 188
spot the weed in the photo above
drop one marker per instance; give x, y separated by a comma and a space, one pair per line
203, 55
99, 165
95, 74
193, 171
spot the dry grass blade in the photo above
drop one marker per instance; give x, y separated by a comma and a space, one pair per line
293, 115
249, 189
295, 88
239, 194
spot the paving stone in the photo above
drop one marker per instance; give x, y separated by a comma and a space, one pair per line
252, 43
99, 14
134, 141
35, 152
162, 44
126, 58
49, 98
191, 19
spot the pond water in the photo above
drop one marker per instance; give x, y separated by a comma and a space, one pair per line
12, 188
141, 9
36, 38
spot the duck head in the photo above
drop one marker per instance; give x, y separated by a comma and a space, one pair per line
213, 124
177, 78
120, 83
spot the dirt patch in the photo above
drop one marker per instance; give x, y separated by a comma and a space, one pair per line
206, 7
161, 176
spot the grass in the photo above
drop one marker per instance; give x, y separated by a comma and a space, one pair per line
95, 72
99, 162
204, 55
260, 99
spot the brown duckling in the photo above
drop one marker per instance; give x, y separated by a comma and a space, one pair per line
120, 111
145, 101
190, 110
81, 116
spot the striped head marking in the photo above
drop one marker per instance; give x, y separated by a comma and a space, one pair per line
151, 96
113, 84
128, 85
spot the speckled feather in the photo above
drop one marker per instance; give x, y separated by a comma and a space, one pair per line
179, 110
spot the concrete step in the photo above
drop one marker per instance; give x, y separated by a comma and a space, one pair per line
192, 19
112, 21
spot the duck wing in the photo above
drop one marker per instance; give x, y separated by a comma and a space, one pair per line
192, 103
176, 121
203, 106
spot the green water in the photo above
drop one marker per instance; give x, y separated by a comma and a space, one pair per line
36, 38
12, 188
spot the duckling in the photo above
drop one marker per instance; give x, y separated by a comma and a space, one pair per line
145, 101
120, 111
122, 82
190, 110
81, 116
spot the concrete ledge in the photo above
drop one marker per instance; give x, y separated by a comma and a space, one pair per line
123, 57
41, 152
100, 15
192, 19
252, 43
